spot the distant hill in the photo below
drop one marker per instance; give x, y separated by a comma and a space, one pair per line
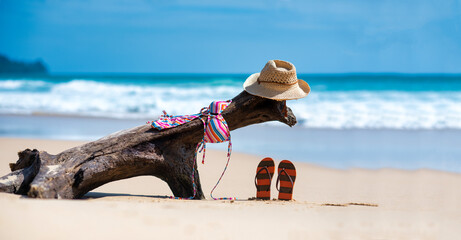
8, 66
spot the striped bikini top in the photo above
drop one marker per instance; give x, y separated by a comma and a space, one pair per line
215, 129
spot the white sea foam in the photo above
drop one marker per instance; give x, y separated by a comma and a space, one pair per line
123, 101
395, 110
321, 109
16, 84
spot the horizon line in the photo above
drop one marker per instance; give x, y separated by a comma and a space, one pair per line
244, 73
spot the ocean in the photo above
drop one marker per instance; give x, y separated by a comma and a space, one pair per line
405, 121
337, 101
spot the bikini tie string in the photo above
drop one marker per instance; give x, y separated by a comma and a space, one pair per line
215, 130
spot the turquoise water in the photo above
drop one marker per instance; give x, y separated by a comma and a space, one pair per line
348, 120
337, 101
320, 82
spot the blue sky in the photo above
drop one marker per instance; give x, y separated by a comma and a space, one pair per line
413, 36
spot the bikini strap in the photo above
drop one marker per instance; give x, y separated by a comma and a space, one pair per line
229, 151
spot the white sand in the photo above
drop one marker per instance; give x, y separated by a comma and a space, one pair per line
386, 204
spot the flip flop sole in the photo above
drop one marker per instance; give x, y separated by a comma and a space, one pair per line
286, 179
264, 174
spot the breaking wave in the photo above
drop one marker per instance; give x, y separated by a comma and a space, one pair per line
323, 108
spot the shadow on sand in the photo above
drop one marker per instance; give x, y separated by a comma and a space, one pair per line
96, 195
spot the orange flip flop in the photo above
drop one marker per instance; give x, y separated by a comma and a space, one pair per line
263, 178
286, 178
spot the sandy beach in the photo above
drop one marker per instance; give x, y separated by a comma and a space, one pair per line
329, 204
364, 97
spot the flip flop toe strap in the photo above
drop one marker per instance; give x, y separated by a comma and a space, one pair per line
268, 173
278, 179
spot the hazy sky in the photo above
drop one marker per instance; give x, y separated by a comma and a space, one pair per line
234, 36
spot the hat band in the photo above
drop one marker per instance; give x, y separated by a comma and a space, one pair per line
289, 84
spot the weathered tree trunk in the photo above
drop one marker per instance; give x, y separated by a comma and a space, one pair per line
167, 154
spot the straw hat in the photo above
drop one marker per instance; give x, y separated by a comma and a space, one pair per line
277, 81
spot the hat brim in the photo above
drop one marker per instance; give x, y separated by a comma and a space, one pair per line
276, 91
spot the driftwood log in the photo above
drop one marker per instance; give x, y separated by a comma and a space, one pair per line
167, 154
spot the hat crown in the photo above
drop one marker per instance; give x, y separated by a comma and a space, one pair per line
278, 71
